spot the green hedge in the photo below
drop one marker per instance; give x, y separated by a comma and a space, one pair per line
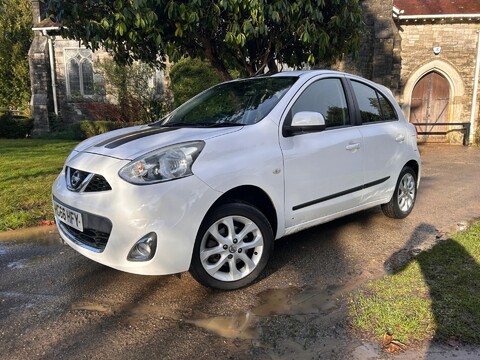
88, 128
15, 126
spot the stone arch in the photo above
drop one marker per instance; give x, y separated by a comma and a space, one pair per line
457, 87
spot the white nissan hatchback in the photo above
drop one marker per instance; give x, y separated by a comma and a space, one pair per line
211, 186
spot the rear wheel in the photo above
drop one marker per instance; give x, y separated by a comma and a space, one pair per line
403, 198
232, 247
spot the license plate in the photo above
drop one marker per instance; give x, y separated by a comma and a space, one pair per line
68, 216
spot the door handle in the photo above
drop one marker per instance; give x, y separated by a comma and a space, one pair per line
352, 147
400, 138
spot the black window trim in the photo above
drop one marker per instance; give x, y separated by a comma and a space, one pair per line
358, 116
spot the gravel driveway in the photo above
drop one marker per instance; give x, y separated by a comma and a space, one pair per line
54, 303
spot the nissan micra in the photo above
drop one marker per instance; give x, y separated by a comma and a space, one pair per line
211, 186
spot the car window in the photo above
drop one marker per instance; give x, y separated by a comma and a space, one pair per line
327, 97
242, 102
387, 109
373, 106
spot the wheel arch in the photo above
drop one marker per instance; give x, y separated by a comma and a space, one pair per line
413, 164
254, 196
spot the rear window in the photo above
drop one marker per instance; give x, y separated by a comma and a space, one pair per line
374, 107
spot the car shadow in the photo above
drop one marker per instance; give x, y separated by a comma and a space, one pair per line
454, 322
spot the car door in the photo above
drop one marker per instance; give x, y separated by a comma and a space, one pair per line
322, 170
384, 139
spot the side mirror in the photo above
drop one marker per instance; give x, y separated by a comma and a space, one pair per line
305, 122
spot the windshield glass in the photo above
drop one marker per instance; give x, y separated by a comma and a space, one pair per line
235, 103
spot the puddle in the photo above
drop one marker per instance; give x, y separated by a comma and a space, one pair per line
285, 301
88, 306
20, 264
272, 302
295, 301
235, 327
45, 235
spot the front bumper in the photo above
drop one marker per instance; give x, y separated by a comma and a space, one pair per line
173, 210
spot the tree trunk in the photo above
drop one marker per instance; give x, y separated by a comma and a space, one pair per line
217, 64
167, 85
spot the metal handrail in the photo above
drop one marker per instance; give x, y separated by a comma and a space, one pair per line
465, 129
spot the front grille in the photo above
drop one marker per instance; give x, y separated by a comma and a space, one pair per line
82, 181
98, 183
95, 234
89, 237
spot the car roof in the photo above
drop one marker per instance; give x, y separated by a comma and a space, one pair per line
312, 73
300, 73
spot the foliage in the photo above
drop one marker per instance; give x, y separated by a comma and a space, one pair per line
247, 35
13, 127
81, 130
27, 170
15, 39
88, 128
134, 98
190, 77
437, 294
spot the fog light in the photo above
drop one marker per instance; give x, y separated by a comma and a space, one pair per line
144, 249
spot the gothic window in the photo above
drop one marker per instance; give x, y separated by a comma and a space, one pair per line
79, 72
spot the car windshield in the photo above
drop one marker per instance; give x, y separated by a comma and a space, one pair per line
236, 103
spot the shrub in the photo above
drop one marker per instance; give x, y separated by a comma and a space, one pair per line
15, 126
133, 94
190, 77
88, 128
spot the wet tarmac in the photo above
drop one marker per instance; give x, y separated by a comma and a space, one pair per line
54, 303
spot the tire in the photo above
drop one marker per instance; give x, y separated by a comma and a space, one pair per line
404, 197
232, 247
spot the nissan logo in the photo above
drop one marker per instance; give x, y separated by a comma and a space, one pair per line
76, 179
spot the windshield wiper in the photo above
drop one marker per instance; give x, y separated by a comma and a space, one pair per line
175, 124
218, 124
201, 124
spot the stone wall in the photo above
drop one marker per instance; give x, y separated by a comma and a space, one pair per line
40, 102
73, 109
456, 60
379, 55
41, 89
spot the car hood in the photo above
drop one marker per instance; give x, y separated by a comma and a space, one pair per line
130, 143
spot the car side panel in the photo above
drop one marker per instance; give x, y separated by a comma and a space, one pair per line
252, 157
322, 176
385, 149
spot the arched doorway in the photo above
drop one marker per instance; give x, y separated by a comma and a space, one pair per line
429, 106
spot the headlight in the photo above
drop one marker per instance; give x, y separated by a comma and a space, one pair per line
172, 162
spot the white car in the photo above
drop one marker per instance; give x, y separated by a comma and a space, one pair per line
211, 186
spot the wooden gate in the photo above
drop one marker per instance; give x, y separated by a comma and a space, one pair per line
429, 106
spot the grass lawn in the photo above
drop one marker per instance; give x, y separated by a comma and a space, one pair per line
27, 170
435, 296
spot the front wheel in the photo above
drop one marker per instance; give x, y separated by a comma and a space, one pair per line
403, 198
232, 247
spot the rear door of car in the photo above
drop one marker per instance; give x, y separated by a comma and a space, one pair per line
323, 170
384, 140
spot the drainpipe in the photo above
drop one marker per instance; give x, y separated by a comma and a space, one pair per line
475, 92
51, 55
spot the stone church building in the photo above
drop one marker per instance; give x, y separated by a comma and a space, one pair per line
426, 51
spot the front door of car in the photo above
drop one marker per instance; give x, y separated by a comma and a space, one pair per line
322, 170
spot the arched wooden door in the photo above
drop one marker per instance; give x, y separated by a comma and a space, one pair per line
429, 105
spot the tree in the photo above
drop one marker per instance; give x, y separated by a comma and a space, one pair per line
190, 77
15, 39
245, 35
134, 91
